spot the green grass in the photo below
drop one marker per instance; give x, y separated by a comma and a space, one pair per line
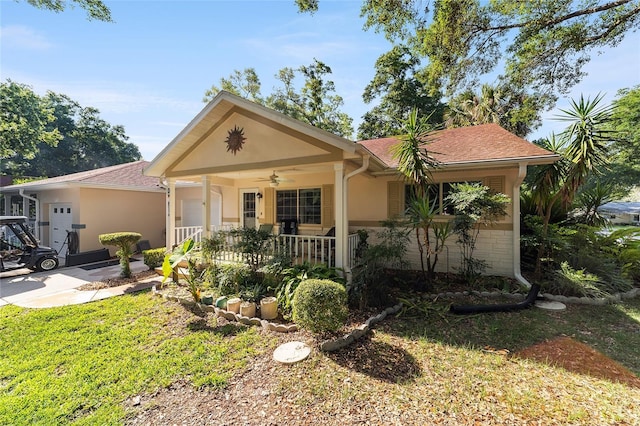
437, 368
80, 363
611, 329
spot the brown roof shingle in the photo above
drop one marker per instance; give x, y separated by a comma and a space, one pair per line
473, 144
127, 175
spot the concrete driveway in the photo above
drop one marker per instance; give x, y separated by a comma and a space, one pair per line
60, 287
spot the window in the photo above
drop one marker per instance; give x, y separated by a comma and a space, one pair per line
438, 193
302, 204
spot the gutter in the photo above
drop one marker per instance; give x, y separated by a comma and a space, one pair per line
345, 185
36, 225
517, 274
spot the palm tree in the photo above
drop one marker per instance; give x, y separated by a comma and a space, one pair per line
583, 149
415, 164
470, 109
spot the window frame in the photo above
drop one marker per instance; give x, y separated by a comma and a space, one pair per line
302, 218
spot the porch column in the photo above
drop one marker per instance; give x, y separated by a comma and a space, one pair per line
206, 206
342, 229
171, 214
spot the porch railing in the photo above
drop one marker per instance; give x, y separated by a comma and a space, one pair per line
183, 233
302, 248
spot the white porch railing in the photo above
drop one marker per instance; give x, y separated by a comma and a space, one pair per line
183, 233
302, 248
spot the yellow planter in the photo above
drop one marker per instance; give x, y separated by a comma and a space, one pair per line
248, 309
269, 308
233, 305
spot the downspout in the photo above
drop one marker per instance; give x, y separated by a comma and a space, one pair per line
517, 274
36, 225
345, 213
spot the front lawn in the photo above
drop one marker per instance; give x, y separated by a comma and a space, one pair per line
81, 363
87, 364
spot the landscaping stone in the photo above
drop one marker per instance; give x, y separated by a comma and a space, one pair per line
291, 352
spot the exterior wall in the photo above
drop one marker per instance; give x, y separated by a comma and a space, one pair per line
494, 246
367, 207
368, 199
104, 211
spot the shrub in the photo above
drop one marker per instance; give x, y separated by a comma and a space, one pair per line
320, 305
369, 284
124, 241
231, 277
291, 277
153, 257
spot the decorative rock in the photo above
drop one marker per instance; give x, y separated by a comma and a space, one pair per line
292, 328
280, 328
330, 345
348, 339
230, 316
243, 320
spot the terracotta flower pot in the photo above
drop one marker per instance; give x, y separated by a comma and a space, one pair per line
233, 305
269, 308
248, 309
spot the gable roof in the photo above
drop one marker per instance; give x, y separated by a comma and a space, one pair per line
126, 176
484, 144
222, 106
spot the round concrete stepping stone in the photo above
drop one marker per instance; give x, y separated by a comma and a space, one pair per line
291, 352
550, 305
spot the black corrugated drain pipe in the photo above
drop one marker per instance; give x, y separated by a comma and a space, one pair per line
507, 307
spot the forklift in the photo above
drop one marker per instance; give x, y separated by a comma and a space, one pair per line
19, 248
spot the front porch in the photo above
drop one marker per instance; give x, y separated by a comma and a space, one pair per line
302, 248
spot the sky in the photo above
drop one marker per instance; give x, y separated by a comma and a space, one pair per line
149, 70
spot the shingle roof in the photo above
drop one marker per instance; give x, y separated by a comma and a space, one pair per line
127, 176
473, 144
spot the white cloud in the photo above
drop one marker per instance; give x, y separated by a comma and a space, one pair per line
20, 36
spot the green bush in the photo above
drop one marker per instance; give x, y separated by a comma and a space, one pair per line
124, 241
153, 257
231, 277
291, 277
320, 305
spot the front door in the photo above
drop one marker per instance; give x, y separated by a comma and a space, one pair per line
60, 220
248, 208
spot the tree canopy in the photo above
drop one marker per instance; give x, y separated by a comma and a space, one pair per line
314, 103
67, 138
542, 44
514, 110
25, 123
95, 9
400, 90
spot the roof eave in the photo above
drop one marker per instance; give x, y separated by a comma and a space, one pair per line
488, 164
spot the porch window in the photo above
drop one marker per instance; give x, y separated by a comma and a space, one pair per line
303, 204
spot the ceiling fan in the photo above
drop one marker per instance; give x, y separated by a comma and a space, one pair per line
274, 180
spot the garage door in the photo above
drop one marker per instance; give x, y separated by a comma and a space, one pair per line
60, 220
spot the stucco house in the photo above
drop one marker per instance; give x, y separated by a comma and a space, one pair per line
110, 199
256, 166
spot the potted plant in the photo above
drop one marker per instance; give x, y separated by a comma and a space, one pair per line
251, 297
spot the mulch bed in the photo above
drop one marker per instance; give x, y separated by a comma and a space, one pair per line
579, 358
